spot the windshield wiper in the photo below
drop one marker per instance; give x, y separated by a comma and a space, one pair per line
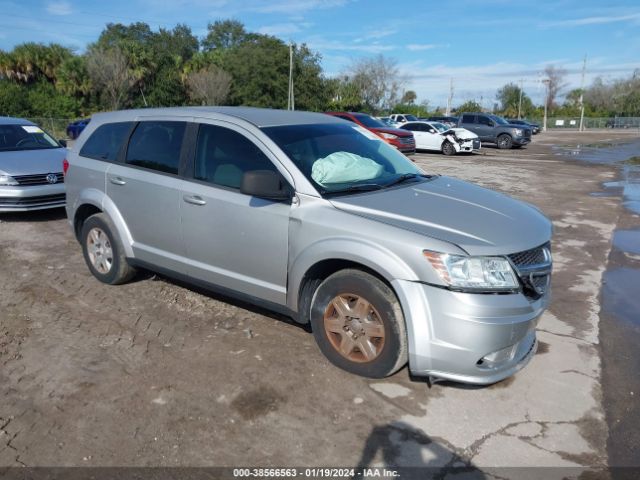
403, 178
362, 187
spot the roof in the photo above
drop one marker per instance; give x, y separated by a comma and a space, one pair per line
260, 117
14, 121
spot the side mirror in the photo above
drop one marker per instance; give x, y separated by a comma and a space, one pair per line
264, 184
63, 142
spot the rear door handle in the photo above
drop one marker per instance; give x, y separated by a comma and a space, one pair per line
194, 200
117, 181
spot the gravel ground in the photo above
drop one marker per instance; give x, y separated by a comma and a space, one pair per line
158, 373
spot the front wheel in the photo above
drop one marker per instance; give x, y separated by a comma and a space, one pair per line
358, 324
448, 148
103, 251
505, 142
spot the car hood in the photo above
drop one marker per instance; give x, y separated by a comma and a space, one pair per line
32, 162
395, 131
461, 133
478, 220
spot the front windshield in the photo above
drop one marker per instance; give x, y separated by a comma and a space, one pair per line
499, 120
370, 122
440, 127
25, 137
342, 158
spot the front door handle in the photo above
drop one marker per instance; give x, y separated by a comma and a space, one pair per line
117, 181
194, 200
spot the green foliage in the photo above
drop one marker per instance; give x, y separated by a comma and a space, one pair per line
225, 34
13, 99
469, 106
510, 100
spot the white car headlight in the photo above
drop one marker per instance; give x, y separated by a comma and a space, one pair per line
519, 132
388, 136
7, 180
473, 273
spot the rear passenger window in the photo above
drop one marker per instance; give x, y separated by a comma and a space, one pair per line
156, 145
223, 156
468, 118
106, 141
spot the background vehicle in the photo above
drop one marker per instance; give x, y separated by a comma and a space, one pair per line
437, 136
74, 129
535, 128
306, 215
401, 139
31, 164
493, 129
400, 118
387, 121
447, 120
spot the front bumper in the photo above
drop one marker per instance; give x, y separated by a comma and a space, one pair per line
466, 337
469, 145
38, 197
521, 140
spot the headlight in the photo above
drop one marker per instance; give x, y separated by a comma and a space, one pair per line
388, 136
519, 132
473, 273
7, 180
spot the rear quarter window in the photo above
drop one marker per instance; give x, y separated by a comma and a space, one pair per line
468, 118
105, 142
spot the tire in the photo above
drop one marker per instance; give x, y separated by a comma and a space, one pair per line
504, 142
103, 251
374, 348
448, 148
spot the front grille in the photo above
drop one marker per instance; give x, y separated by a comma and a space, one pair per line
42, 200
527, 133
406, 140
534, 269
39, 179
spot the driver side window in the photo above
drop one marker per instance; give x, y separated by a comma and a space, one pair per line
223, 156
482, 120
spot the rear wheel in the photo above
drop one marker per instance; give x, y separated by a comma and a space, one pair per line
358, 324
448, 148
504, 141
103, 251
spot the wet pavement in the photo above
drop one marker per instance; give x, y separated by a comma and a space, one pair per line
620, 318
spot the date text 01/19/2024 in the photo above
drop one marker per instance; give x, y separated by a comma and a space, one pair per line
320, 472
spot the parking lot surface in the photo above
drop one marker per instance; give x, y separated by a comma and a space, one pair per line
159, 373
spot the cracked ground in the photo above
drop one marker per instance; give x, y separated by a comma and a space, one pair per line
159, 373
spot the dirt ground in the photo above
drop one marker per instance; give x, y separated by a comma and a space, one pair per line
158, 373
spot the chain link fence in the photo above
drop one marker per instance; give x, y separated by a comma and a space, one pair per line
589, 122
55, 126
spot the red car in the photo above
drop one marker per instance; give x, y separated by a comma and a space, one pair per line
393, 136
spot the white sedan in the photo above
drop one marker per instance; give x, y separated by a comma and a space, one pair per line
437, 136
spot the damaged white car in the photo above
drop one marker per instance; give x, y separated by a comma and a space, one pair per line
437, 136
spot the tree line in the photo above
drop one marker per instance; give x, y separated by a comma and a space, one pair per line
132, 66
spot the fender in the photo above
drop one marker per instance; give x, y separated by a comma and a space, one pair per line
373, 256
99, 199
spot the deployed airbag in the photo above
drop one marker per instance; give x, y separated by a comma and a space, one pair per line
343, 167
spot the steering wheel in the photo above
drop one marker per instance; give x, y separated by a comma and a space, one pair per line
25, 140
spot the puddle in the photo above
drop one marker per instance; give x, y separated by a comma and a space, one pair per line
620, 294
627, 241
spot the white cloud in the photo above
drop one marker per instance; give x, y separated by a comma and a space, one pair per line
576, 22
59, 8
279, 29
296, 6
415, 47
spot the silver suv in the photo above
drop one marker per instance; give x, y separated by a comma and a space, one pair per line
315, 217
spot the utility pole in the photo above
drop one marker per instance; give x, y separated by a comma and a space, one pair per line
290, 100
450, 99
520, 101
546, 82
584, 69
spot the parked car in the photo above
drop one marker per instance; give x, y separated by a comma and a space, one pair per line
387, 121
535, 128
446, 119
438, 136
493, 129
74, 129
31, 163
401, 118
320, 220
401, 139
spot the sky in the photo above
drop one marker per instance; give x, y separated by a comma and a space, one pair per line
479, 45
